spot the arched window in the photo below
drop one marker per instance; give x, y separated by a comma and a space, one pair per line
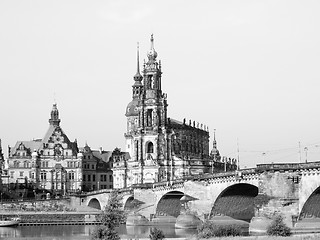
149, 118
150, 147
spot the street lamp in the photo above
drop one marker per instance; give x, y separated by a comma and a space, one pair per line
35, 199
306, 150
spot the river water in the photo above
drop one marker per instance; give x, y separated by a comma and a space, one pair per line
81, 232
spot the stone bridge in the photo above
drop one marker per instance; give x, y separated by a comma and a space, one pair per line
290, 189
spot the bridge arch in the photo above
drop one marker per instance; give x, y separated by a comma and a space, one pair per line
311, 207
236, 201
169, 204
130, 203
94, 203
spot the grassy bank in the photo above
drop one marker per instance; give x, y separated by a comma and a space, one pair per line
294, 237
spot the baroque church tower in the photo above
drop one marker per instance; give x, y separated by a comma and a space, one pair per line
146, 120
160, 148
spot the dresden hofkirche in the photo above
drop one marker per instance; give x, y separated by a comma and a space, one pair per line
162, 148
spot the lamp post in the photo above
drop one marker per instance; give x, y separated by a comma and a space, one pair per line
35, 199
306, 150
263, 158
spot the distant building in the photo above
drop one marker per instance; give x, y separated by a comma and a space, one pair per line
2, 165
51, 163
96, 172
160, 148
55, 164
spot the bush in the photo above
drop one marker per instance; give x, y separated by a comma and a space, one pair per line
278, 227
102, 232
209, 229
156, 234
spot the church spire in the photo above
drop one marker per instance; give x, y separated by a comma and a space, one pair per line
138, 77
54, 120
214, 151
152, 54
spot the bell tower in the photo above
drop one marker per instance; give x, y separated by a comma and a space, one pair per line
146, 122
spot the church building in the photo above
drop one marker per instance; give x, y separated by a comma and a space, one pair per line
160, 148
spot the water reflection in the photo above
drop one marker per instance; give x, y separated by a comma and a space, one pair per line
143, 231
6, 232
80, 231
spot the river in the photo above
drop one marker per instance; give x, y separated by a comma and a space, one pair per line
77, 232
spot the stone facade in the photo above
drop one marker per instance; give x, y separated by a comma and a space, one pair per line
56, 164
51, 163
161, 148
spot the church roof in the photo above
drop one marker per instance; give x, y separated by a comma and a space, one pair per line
132, 108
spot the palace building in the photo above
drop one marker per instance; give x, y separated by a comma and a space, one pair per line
51, 163
56, 164
161, 148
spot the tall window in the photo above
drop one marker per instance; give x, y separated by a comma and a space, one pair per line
149, 117
71, 175
136, 145
43, 176
150, 147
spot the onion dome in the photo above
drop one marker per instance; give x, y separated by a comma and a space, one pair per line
152, 54
132, 108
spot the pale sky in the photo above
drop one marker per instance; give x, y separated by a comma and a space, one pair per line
249, 69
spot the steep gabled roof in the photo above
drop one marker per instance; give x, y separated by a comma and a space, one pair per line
30, 145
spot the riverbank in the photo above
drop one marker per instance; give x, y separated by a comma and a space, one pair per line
54, 218
297, 237
293, 237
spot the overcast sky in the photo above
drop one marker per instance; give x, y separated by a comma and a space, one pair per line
249, 69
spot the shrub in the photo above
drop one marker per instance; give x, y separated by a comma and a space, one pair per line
209, 229
102, 232
278, 227
156, 234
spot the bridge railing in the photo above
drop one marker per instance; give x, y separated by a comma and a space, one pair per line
287, 166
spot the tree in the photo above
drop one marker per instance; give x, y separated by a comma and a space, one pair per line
110, 218
278, 227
